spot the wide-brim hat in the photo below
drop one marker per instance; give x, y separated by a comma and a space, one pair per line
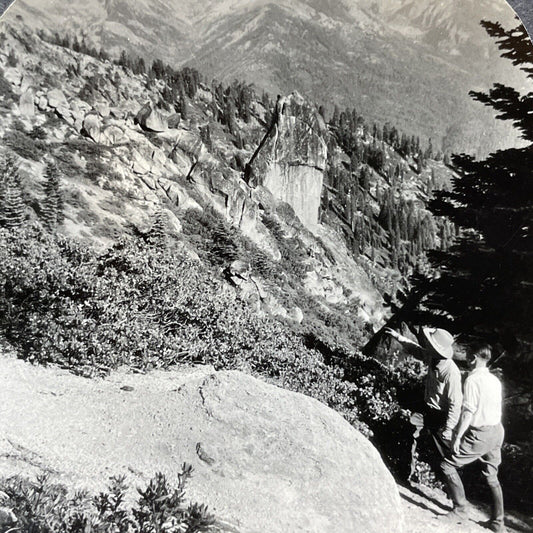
440, 340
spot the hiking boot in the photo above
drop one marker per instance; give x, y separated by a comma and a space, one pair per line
460, 513
495, 525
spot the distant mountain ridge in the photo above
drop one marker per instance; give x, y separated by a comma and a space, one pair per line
408, 62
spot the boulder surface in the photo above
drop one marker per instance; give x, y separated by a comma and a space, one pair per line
265, 459
150, 119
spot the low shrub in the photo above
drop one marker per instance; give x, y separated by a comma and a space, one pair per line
146, 307
6, 92
44, 507
23, 143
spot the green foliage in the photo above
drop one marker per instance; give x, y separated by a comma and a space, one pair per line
215, 239
486, 286
293, 253
157, 235
6, 93
53, 203
148, 307
46, 507
162, 508
24, 143
12, 205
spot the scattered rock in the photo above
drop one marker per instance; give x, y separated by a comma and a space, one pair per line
42, 104
159, 157
296, 314
112, 135
7, 517
76, 111
64, 113
27, 103
116, 112
26, 83
174, 121
102, 108
150, 119
238, 271
140, 164
57, 99
92, 127
13, 75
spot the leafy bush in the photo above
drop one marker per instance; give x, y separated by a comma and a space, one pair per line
147, 306
46, 507
217, 241
293, 254
6, 92
23, 142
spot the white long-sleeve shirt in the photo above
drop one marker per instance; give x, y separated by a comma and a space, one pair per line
483, 397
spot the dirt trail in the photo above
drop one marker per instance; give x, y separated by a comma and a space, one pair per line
28, 444
425, 511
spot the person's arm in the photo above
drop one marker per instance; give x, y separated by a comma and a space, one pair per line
470, 406
464, 424
413, 347
454, 396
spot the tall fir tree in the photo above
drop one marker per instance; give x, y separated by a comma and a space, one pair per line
157, 235
486, 285
53, 204
12, 205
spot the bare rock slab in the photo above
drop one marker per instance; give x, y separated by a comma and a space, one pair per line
265, 459
150, 119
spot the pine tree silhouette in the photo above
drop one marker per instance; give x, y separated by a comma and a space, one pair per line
487, 276
12, 205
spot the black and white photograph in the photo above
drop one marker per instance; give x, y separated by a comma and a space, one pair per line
266, 266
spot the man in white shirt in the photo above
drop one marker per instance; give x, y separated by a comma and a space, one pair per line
443, 392
479, 436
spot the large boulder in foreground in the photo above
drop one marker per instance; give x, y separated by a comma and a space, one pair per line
265, 459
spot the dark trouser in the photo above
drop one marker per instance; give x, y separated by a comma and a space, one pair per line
483, 444
433, 421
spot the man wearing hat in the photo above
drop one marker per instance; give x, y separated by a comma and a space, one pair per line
478, 436
443, 392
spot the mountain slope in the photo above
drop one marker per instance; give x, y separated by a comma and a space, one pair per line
412, 63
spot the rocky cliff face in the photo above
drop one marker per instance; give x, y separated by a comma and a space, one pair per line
291, 159
264, 459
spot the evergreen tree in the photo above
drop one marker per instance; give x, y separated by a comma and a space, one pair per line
53, 205
487, 277
157, 236
12, 203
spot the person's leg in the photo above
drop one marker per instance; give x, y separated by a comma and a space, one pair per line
456, 490
491, 461
417, 420
472, 448
438, 448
